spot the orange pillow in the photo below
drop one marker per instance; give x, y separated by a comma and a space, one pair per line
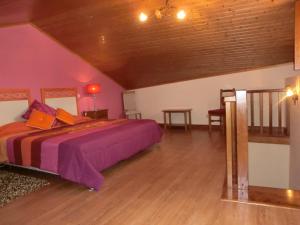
40, 120
65, 117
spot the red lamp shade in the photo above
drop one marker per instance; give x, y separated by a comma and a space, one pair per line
93, 88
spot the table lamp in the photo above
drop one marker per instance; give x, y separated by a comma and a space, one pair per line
93, 89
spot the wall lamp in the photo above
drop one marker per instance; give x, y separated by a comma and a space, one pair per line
290, 93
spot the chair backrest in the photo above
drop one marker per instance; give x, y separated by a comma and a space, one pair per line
223, 94
129, 101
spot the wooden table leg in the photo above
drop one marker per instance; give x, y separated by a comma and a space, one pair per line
170, 120
185, 121
190, 119
209, 123
165, 120
223, 124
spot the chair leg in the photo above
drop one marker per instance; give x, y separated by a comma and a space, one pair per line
209, 124
165, 120
185, 122
222, 124
170, 120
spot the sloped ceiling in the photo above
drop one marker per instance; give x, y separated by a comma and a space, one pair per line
218, 37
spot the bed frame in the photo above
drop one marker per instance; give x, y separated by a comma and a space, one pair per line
16, 101
13, 103
65, 98
15, 94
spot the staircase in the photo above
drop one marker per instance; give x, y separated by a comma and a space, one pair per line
253, 119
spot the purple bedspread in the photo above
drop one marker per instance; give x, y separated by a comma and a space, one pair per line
82, 158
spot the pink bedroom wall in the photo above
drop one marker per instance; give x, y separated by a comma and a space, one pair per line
31, 59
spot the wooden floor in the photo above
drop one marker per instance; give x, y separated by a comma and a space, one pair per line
263, 196
178, 182
274, 136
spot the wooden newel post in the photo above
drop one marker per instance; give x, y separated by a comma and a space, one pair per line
242, 139
237, 141
230, 106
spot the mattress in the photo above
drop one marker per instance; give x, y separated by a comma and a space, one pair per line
78, 153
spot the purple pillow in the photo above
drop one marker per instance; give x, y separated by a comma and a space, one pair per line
40, 107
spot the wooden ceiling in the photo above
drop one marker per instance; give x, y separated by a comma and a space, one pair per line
218, 36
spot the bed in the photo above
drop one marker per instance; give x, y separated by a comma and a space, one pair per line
76, 153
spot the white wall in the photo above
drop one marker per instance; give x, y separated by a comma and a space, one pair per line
269, 165
203, 94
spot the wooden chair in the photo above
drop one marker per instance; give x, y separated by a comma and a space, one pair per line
219, 113
130, 110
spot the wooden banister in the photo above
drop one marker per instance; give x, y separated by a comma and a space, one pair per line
266, 90
279, 113
271, 101
252, 110
270, 112
237, 132
242, 139
261, 112
230, 105
237, 140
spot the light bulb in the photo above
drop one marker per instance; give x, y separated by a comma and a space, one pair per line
143, 17
181, 14
289, 93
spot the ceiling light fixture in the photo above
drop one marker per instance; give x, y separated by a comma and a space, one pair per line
143, 17
181, 14
165, 11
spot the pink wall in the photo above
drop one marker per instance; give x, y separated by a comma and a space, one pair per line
30, 59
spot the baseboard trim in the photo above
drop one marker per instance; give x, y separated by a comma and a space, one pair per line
205, 126
194, 126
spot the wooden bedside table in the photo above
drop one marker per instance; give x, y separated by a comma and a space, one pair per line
98, 114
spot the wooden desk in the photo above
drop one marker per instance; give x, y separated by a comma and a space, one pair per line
187, 115
98, 114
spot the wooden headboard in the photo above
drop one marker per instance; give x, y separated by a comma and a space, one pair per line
65, 98
13, 103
